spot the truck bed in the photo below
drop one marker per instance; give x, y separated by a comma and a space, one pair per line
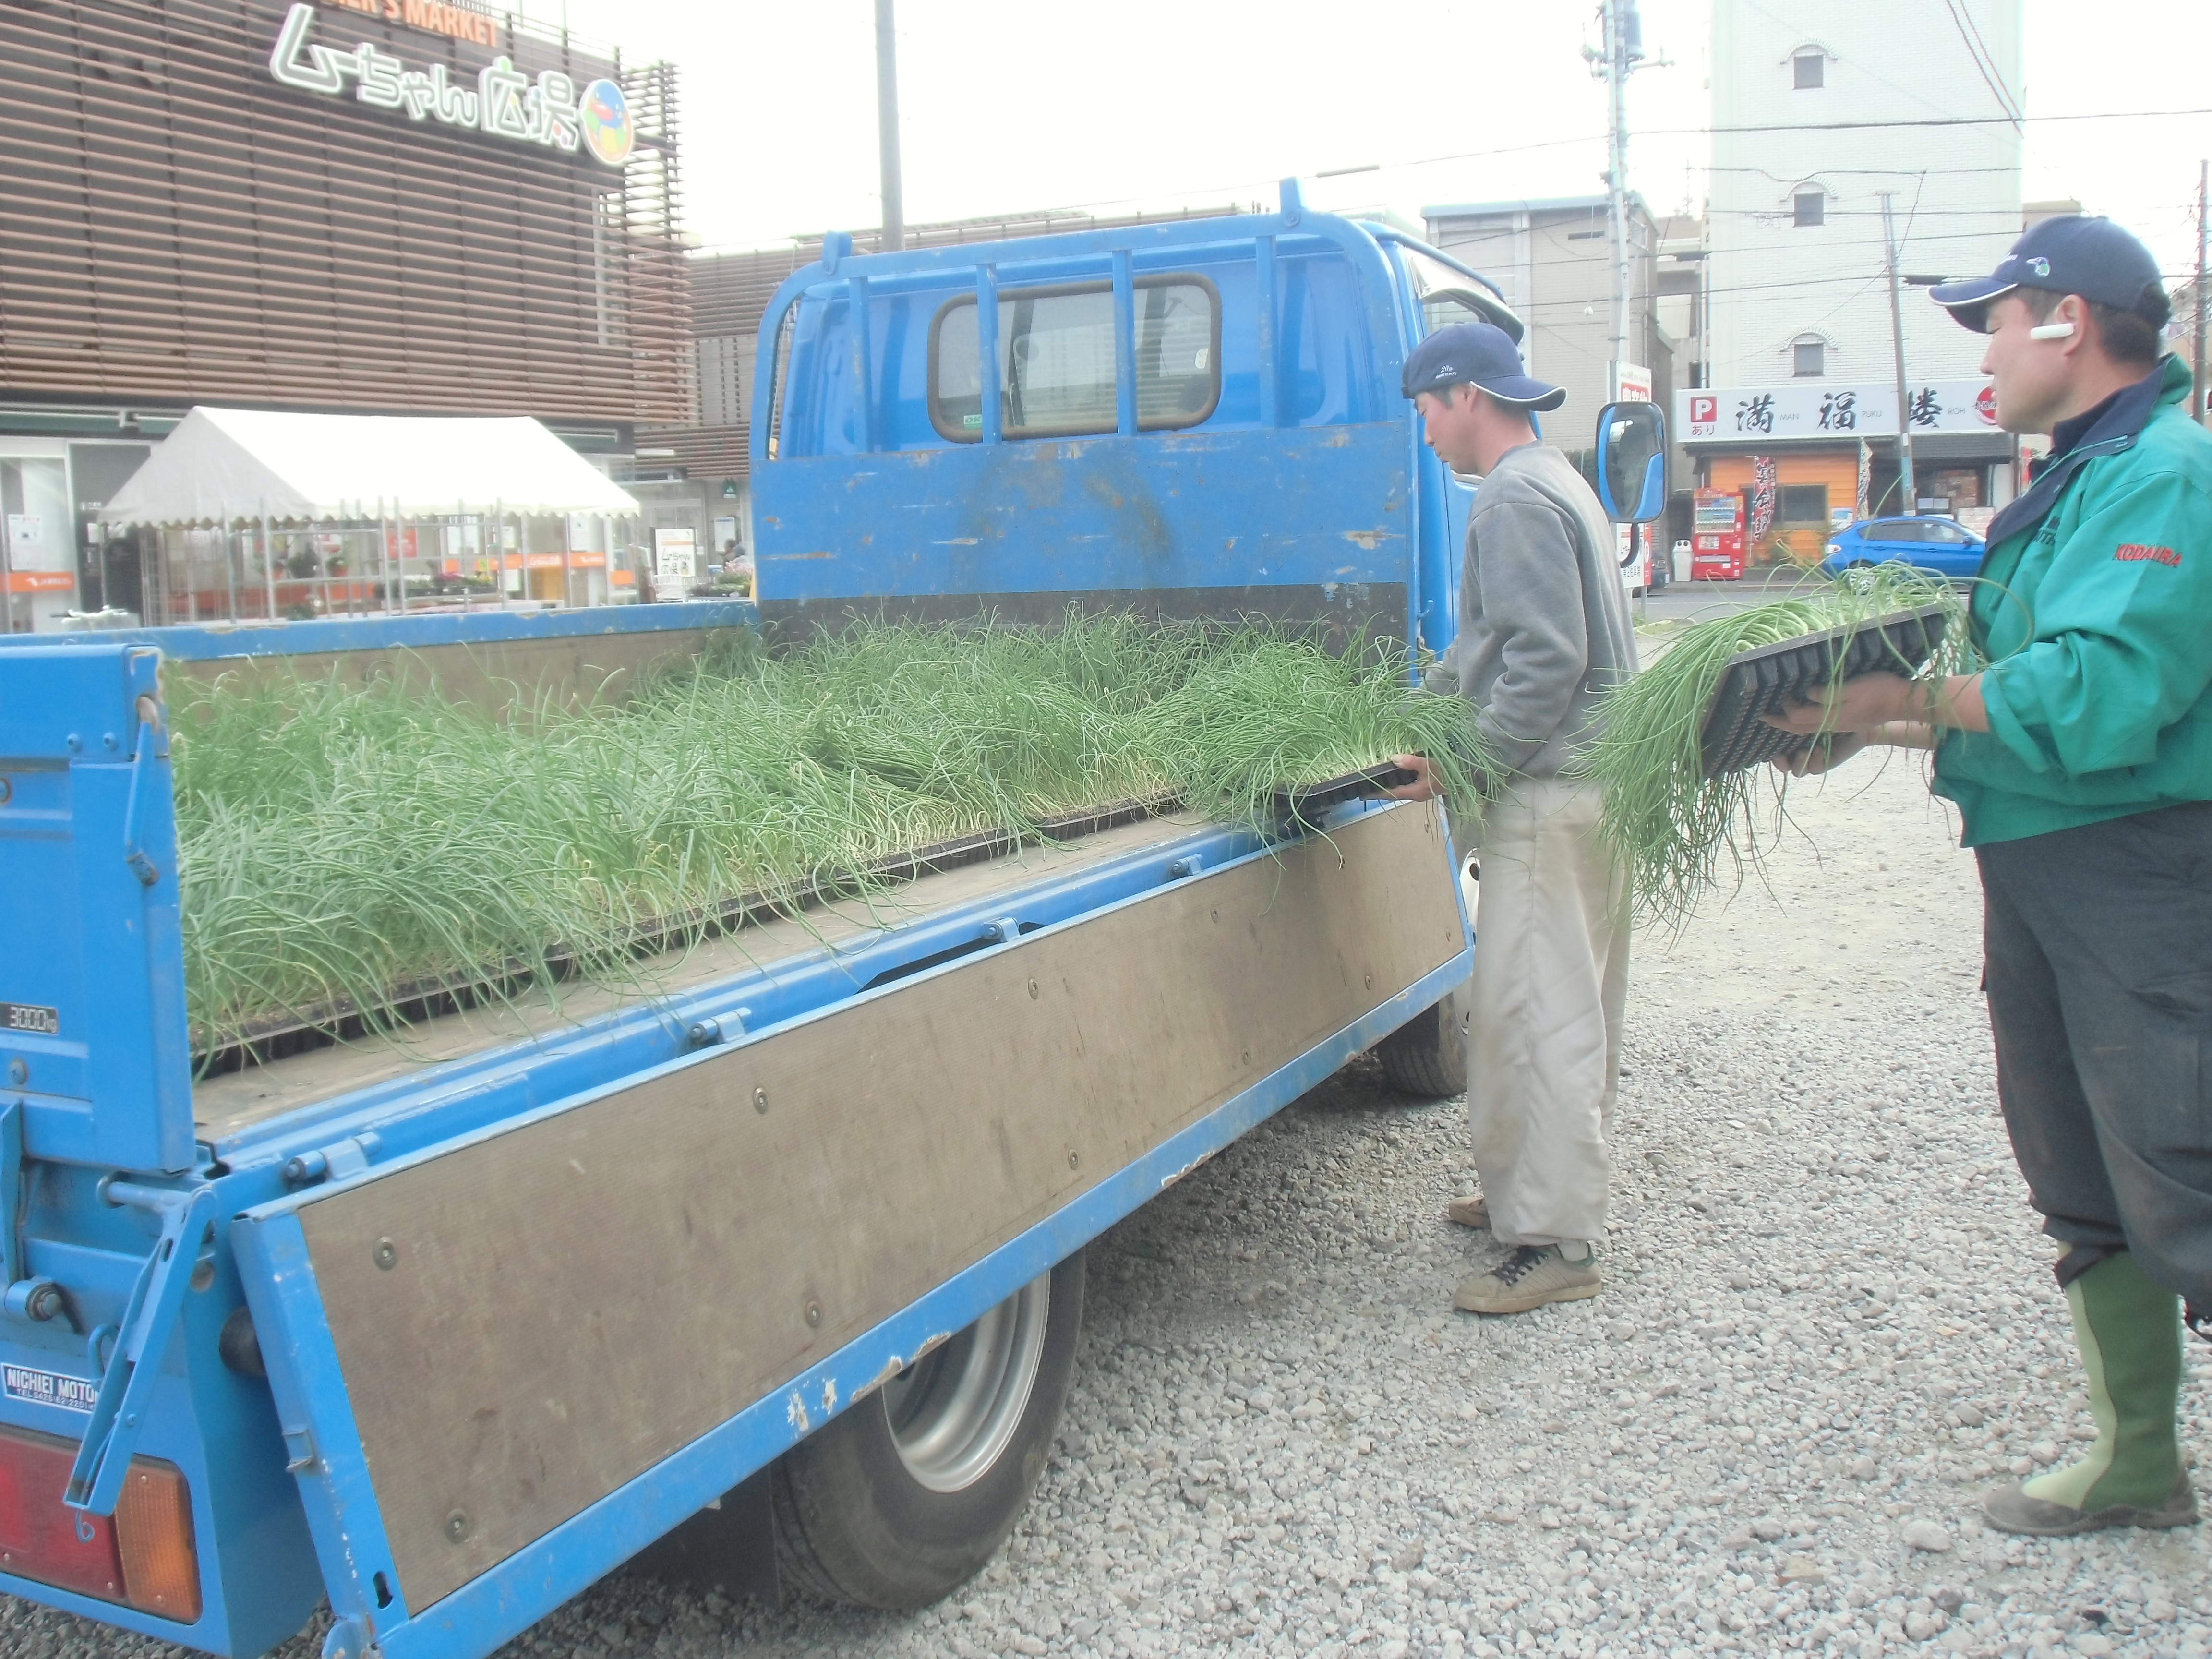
228, 1106
702, 1260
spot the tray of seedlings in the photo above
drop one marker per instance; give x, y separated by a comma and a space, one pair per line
354, 857
1769, 679
1302, 806
1680, 750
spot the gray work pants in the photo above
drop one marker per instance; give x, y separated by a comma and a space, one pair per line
2097, 964
1550, 987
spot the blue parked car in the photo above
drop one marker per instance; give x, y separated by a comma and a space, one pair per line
1942, 547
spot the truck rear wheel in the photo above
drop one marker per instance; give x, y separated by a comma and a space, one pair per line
908, 1494
1426, 1057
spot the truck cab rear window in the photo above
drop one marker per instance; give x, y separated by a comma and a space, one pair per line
1057, 360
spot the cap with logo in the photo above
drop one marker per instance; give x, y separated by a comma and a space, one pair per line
1477, 354
2073, 254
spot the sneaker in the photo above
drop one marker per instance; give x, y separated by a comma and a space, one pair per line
1530, 1276
1469, 1209
2010, 1509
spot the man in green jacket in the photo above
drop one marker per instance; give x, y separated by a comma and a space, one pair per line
2081, 759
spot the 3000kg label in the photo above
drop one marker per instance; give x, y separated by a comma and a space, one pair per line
30, 1017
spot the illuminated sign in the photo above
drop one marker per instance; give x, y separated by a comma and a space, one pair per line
432, 16
504, 102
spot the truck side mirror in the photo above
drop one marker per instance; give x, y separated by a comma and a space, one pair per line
1632, 462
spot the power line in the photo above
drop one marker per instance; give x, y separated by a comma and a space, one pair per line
2005, 213
1697, 133
1867, 172
2005, 95
1812, 126
1742, 287
1460, 250
1974, 51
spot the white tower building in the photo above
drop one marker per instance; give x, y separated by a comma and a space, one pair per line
1819, 107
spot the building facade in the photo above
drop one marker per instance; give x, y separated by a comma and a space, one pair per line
1553, 260
368, 206
1823, 115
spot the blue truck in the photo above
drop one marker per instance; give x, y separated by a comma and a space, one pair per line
779, 1270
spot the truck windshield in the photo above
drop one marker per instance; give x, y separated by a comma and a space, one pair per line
1057, 360
1446, 295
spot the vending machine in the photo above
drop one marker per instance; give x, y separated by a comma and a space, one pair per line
1716, 536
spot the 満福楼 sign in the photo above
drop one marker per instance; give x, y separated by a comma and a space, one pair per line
1818, 410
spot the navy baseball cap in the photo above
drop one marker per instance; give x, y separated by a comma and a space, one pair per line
2073, 254
1477, 354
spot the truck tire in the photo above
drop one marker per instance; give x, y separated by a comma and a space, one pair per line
906, 1496
1426, 1057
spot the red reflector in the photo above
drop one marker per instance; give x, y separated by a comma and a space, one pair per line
37, 1531
150, 1565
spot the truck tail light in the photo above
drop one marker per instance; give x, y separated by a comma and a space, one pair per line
143, 1558
154, 1531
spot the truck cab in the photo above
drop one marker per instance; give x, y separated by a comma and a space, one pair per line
1197, 418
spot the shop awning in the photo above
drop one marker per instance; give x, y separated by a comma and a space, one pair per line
1926, 446
226, 465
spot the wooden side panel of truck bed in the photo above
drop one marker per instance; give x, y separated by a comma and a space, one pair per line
531, 1319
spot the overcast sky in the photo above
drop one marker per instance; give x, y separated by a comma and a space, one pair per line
1014, 105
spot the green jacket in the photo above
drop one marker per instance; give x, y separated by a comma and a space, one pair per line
2094, 610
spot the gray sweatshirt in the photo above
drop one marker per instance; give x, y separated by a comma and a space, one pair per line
1543, 616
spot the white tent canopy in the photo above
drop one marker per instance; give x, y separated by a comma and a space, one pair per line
224, 464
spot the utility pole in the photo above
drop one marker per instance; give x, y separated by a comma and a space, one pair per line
1616, 169
2203, 232
1621, 54
1897, 348
887, 127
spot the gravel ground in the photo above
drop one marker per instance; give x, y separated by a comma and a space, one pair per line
1830, 1324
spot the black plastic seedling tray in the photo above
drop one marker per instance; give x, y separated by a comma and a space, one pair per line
1770, 677
1303, 805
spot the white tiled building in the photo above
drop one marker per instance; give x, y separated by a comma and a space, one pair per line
1796, 213
1796, 279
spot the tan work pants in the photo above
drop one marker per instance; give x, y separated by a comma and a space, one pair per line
1550, 986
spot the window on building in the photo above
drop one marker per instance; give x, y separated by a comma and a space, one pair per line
1057, 360
1812, 207
1961, 486
1808, 359
1802, 504
726, 379
1812, 68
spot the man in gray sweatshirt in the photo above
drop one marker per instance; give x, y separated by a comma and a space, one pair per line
1543, 629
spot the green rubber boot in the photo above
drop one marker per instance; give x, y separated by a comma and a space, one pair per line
2129, 1331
